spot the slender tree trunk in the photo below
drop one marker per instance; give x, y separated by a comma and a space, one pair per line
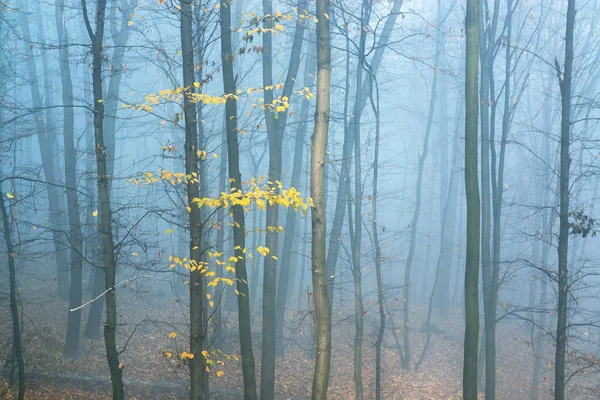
487, 45
318, 214
447, 233
275, 128
220, 245
379, 340
539, 346
14, 307
291, 215
356, 271
563, 236
239, 230
45, 144
198, 376
415, 220
110, 324
358, 193
111, 105
472, 193
359, 104
75, 236
303, 255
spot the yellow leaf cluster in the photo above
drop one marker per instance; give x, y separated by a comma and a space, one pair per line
186, 356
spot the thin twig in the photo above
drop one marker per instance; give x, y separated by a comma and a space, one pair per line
114, 287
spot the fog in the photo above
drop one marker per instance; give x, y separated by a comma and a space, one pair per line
317, 199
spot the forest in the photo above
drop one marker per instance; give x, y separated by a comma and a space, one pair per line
299, 199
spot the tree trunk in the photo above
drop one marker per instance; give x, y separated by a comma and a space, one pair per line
415, 220
198, 377
318, 214
110, 325
563, 235
75, 236
220, 245
447, 233
291, 215
239, 230
111, 105
275, 129
487, 45
379, 340
14, 307
472, 193
45, 146
359, 104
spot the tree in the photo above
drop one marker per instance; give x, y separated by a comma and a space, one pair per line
349, 139
317, 165
14, 308
111, 105
235, 181
276, 121
472, 193
380, 300
75, 236
198, 376
291, 215
105, 229
565, 83
46, 141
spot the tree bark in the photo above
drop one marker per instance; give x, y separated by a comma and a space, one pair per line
565, 80
14, 307
275, 129
239, 230
111, 106
379, 340
472, 193
110, 324
318, 214
487, 46
198, 377
75, 236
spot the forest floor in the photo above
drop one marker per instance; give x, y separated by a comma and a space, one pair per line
148, 319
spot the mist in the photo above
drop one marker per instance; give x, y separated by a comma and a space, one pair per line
318, 199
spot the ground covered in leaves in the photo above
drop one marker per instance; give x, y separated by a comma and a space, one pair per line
154, 331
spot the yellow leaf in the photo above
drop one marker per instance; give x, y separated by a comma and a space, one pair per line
172, 335
12, 196
279, 27
263, 250
220, 373
169, 231
130, 23
168, 354
95, 213
196, 85
211, 303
